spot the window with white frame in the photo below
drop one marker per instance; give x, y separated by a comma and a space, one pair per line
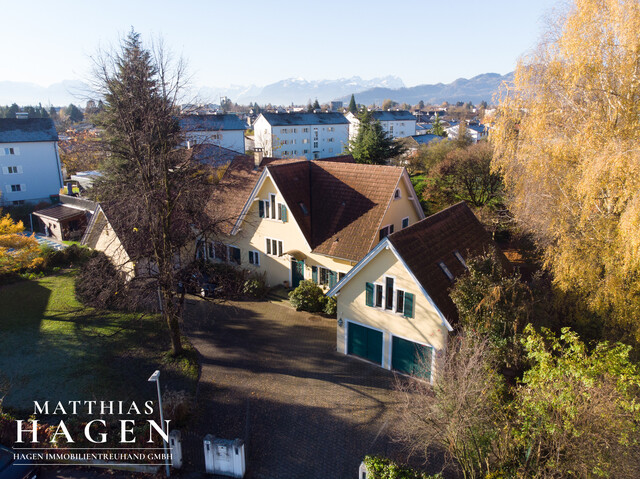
305, 140
254, 257
388, 299
234, 254
384, 296
273, 247
10, 150
331, 128
327, 277
217, 250
379, 294
305, 130
399, 301
9, 170
263, 209
17, 188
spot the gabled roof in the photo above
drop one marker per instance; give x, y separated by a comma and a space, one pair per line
14, 130
134, 247
338, 206
424, 245
348, 204
284, 119
435, 239
211, 123
401, 115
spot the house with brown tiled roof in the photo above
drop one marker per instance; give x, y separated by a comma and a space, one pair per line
297, 219
394, 307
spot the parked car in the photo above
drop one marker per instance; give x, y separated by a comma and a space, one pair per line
197, 283
15, 469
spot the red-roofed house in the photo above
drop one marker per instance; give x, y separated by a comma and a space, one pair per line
394, 307
299, 219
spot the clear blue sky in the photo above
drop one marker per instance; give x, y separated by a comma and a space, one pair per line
250, 42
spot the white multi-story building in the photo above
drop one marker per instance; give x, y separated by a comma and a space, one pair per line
474, 130
296, 135
29, 160
397, 124
225, 130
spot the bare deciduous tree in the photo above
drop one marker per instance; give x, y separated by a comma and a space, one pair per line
461, 413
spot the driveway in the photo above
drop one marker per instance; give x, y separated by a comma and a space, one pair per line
272, 377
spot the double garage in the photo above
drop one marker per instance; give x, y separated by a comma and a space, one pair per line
406, 356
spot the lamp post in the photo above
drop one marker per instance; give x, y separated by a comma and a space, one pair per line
155, 378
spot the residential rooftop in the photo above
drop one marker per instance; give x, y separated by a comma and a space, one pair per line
23, 130
211, 122
285, 119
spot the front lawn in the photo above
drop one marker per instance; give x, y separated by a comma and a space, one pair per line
53, 348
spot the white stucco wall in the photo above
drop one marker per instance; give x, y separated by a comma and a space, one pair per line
296, 141
39, 173
231, 139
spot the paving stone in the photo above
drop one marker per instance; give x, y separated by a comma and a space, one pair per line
272, 377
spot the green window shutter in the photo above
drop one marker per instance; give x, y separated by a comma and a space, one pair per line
408, 305
333, 276
314, 274
284, 213
369, 296
261, 209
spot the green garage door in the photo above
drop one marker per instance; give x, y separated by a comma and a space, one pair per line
365, 342
411, 358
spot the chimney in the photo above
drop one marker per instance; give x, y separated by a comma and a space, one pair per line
22, 115
258, 154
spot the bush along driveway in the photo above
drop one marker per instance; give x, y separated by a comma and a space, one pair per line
272, 377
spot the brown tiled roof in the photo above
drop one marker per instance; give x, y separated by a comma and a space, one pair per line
348, 201
60, 212
232, 192
435, 239
293, 180
345, 203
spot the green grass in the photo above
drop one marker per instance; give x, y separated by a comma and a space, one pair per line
54, 348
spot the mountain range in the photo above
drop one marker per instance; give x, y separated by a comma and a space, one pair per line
286, 92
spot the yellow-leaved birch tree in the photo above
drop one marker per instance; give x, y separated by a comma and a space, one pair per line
567, 140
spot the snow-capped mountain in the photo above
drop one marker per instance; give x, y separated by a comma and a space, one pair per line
296, 90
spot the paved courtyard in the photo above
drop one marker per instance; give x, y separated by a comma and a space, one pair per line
272, 377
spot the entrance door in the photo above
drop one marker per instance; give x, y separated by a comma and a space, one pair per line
365, 342
297, 272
